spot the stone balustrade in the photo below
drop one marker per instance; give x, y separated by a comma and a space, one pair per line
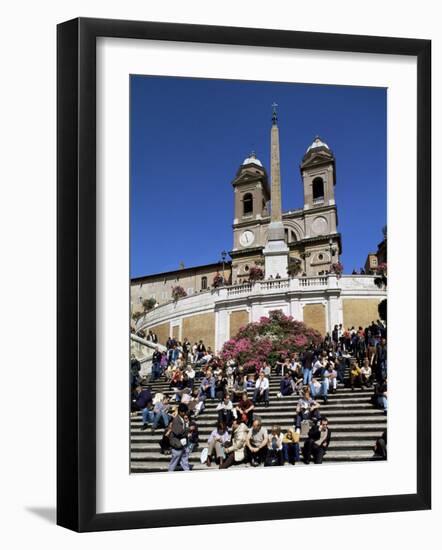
303, 289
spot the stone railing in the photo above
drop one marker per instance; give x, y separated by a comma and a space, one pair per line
202, 301
315, 281
302, 287
143, 351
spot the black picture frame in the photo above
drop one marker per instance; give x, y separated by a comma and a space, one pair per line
76, 274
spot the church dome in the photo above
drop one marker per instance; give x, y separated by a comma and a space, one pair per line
252, 160
317, 143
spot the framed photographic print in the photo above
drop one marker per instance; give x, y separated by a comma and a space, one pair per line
225, 200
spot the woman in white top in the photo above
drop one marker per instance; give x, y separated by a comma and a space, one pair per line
261, 389
274, 455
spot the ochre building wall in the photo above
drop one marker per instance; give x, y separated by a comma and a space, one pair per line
359, 312
200, 327
238, 319
162, 331
314, 317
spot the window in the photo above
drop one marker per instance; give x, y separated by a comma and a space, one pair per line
203, 283
318, 190
290, 236
247, 204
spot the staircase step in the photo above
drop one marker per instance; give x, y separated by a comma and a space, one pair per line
331, 456
148, 437
153, 447
355, 422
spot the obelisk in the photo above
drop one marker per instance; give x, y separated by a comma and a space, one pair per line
276, 251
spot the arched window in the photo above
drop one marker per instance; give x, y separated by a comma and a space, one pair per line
203, 283
247, 204
290, 235
318, 190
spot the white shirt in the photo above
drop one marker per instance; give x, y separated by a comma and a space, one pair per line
262, 384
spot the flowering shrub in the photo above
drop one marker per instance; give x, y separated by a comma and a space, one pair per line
178, 292
337, 268
267, 340
256, 274
217, 281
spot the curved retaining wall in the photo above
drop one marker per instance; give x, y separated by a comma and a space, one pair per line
214, 316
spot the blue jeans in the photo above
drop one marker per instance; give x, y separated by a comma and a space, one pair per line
160, 416
291, 452
147, 416
257, 396
307, 376
325, 384
382, 400
181, 457
156, 371
209, 392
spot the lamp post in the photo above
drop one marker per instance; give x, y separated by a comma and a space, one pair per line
224, 256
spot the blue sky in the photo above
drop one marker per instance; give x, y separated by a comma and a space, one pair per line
189, 136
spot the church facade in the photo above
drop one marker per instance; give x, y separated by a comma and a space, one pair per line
310, 232
297, 250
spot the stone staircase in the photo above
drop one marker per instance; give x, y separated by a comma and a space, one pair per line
354, 422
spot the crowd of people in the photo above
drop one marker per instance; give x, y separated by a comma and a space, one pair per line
195, 375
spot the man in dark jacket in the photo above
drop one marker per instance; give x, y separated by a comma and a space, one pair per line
142, 401
135, 368
179, 440
307, 365
156, 364
317, 442
286, 385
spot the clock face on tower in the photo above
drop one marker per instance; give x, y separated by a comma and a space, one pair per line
246, 238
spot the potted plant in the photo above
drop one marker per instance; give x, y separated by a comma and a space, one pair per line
256, 274
218, 280
178, 292
337, 268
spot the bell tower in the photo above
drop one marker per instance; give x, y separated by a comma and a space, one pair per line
322, 244
318, 175
252, 195
251, 190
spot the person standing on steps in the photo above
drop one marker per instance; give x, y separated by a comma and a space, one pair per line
156, 364
307, 366
179, 440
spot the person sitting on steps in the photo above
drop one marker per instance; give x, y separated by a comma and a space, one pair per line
317, 442
256, 443
306, 409
234, 448
261, 390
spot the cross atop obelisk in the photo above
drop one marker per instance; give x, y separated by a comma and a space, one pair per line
274, 114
